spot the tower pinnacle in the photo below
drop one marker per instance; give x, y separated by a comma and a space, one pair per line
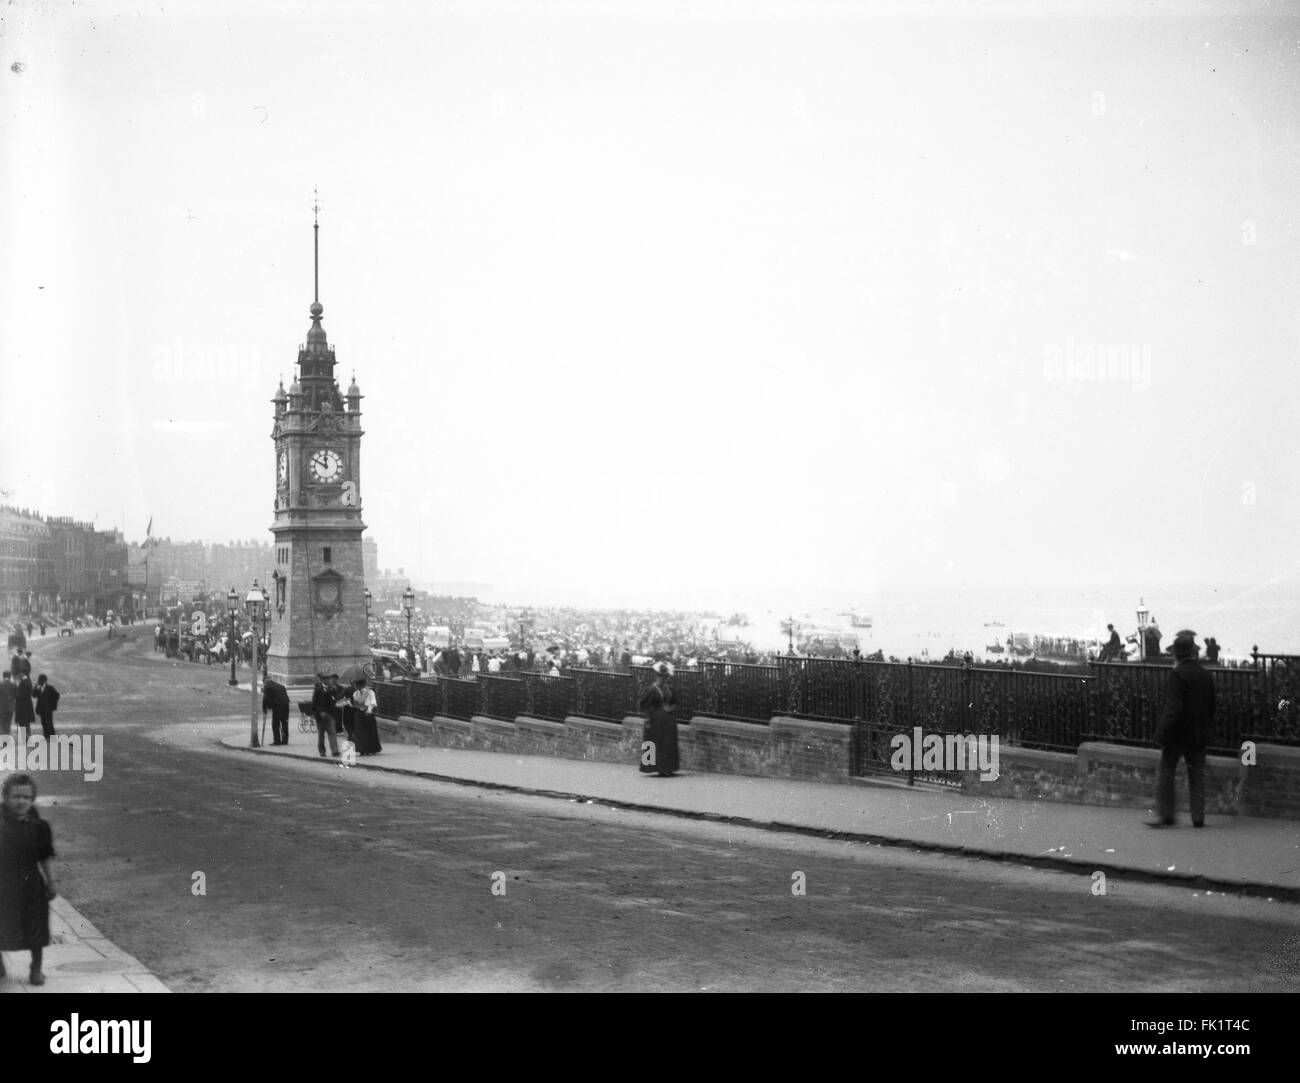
316, 249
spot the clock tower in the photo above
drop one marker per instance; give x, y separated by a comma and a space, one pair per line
318, 609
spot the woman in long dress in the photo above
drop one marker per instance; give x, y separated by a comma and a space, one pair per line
365, 731
659, 737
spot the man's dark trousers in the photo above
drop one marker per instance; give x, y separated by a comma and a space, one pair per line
280, 726
325, 725
1169, 757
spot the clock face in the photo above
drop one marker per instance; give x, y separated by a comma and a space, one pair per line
328, 593
326, 466
283, 468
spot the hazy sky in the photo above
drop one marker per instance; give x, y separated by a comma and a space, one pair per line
657, 300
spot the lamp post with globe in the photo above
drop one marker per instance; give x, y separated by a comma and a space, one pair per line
232, 607
255, 606
408, 603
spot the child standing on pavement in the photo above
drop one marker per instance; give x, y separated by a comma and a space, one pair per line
26, 877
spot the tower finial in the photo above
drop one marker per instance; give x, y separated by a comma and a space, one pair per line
316, 244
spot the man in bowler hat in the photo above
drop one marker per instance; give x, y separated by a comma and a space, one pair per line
46, 698
1186, 722
322, 699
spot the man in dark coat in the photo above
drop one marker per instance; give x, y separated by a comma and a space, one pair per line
275, 698
322, 700
1186, 723
24, 709
47, 702
7, 694
1113, 648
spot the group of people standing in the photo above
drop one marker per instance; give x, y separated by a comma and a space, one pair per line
21, 702
331, 702
354, 706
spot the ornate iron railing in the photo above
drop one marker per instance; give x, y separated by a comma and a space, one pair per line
502, 697
424, 698
744, 692
550, 698
391, 698
1117, 702
1127, 699
1047, 711
603, 693
460, 697
1278, 718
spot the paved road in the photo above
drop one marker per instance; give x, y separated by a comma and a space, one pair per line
321, 878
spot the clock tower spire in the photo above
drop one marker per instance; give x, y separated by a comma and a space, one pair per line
320, 615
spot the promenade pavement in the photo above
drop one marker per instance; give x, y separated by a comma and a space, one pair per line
1237, 854
79, 959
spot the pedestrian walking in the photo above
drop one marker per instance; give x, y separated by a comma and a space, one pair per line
24, 707
275, 698
8, 693
1183, 731
322, 701
659, 735
26, 877
46, 698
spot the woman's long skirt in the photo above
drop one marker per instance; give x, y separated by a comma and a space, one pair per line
365, 734
659, 743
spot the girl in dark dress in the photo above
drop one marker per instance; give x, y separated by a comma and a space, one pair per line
26, 846
659, 737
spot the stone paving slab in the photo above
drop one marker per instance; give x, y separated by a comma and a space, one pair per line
1232, 853
79, 959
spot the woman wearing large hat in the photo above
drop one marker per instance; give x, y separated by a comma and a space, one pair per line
659, 737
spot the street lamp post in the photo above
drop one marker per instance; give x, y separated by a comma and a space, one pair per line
1143, 615
232, 607
266, 616
255, 606
408, 603
369, 599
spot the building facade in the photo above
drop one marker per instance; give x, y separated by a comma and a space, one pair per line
318, 582
59, 567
